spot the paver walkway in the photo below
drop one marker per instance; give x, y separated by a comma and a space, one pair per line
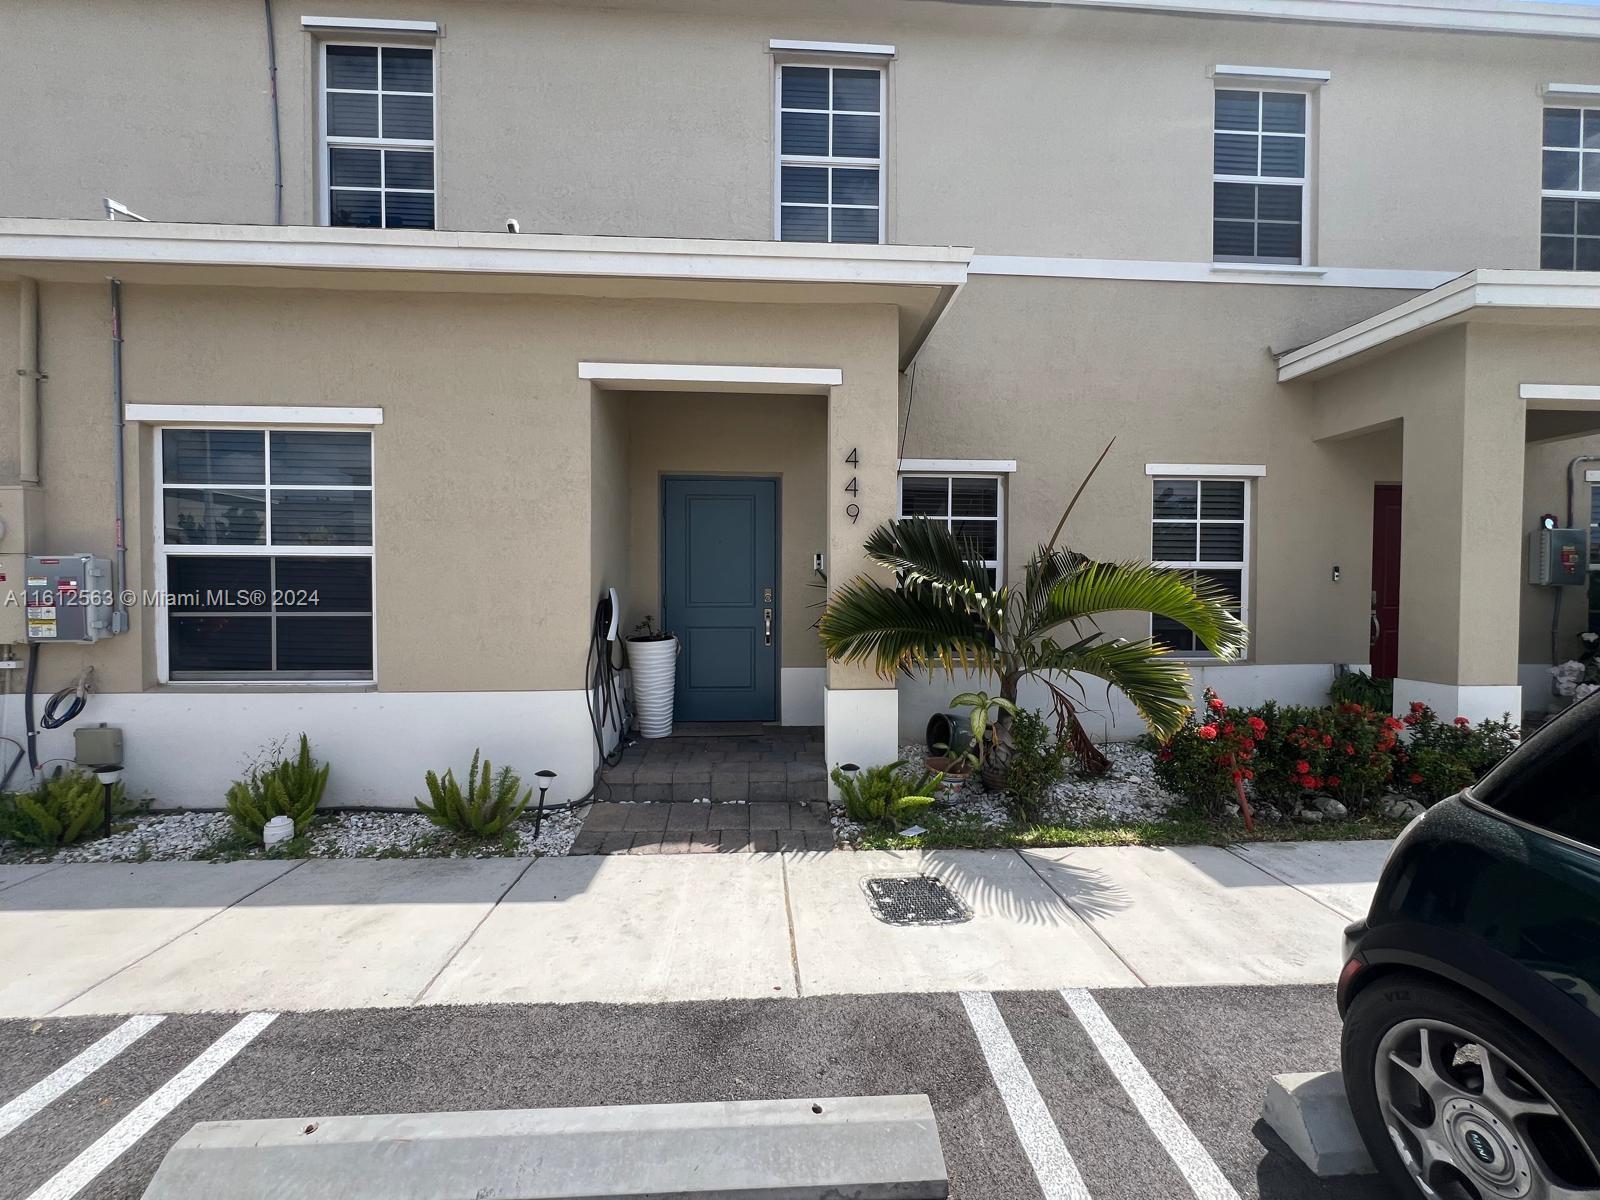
705, 828
721, 761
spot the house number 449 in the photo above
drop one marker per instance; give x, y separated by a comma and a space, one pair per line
853, 510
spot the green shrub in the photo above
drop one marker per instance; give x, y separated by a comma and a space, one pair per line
1207, 759
1438, 759
486, 809
885, 797
1037, 762
59, 811
1347, 751
284, 788
1357, 687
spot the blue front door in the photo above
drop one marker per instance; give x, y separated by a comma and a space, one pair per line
719, 588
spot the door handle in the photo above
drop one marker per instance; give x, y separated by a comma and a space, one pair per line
1377, 629
766, 617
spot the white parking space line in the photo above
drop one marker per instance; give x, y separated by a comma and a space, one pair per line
78, 1173
70, 1074
1199, 1169
1052, 1162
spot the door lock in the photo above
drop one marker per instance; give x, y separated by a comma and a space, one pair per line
766, 617
766, 595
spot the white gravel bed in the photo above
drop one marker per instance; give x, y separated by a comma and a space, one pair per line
168, 836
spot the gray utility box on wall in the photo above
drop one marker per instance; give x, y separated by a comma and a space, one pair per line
1558, 557
69, 598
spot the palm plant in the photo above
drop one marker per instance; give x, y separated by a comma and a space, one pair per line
945, 612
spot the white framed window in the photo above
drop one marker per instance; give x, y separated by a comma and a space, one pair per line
830, 137
1260, 183
972, 506
1569, 208
1201, 525
378, 135
263, 547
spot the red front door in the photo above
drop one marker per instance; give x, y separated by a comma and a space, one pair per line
1385, 625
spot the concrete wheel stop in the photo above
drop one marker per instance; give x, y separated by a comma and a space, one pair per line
844, 1148
1311, 1113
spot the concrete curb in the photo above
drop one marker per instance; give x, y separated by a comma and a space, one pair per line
848, 1148
1312, 1114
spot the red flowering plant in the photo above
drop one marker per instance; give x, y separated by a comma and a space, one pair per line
1439, 758
1211, 755
1345, 751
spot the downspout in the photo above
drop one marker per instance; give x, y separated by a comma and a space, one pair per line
119, 611
28, 377
277, 131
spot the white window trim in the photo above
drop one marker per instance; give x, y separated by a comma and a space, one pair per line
998, 563
863, 49
1205, 470
162, 551
779, 158
274, 415
1271, 75
958, 466
369, 25
1242, 566
1225, 84
324, 157
1555, 91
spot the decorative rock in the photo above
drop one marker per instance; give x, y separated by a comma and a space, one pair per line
1330, 808
1399, 808
1308, 816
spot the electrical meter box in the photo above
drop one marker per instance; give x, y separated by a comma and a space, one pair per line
1558, 557
69, 598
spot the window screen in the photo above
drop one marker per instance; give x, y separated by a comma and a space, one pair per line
1203, 526
266, 546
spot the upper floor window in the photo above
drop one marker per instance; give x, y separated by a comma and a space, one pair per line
1569, 220
830, 154
1202, 526
1260, 157
378, 136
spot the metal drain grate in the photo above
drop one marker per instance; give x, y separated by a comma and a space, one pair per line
913, 900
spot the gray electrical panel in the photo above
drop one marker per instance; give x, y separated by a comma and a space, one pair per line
1558, 557
69, 598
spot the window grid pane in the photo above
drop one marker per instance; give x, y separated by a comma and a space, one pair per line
267, 600
1260, 165
1569, 223
828, 116
1201, 526
968, 505
376, 97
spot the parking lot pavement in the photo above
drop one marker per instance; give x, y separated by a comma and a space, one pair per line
1116, 1094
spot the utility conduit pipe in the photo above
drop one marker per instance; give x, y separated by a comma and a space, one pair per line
119, 611
28, 378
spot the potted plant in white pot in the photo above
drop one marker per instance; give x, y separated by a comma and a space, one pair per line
653, 659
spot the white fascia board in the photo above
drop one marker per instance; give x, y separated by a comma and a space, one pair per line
326, 248
1468, 16
959, 466
1206, 272
1209, 470
251, 414
1271, 74
865, 49
369, 25
646, 373
1478, 289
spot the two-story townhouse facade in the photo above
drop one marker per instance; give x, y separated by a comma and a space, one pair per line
779, 272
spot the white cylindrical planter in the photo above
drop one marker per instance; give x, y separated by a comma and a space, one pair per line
655, 671
279, 829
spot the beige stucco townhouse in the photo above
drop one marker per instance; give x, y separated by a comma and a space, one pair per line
1325, 269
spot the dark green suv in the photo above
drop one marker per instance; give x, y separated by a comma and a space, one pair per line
1471, 992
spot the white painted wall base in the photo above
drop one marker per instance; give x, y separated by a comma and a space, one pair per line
1111, 718
1475, 701
1535, 680
860, 725
800, 692
182, 749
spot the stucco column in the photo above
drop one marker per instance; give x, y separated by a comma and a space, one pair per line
861, 711
1461, 555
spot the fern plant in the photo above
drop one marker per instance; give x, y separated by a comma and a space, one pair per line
486, 808
287, 788
58, 812
883, 796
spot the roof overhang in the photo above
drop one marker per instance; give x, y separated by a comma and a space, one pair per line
919, 281
1506, 297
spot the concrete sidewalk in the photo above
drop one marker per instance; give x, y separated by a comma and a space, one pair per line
191, 937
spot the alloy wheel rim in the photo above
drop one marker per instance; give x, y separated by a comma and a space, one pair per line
1469, 1123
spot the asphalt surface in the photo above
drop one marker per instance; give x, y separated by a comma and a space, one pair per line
1210, 1050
